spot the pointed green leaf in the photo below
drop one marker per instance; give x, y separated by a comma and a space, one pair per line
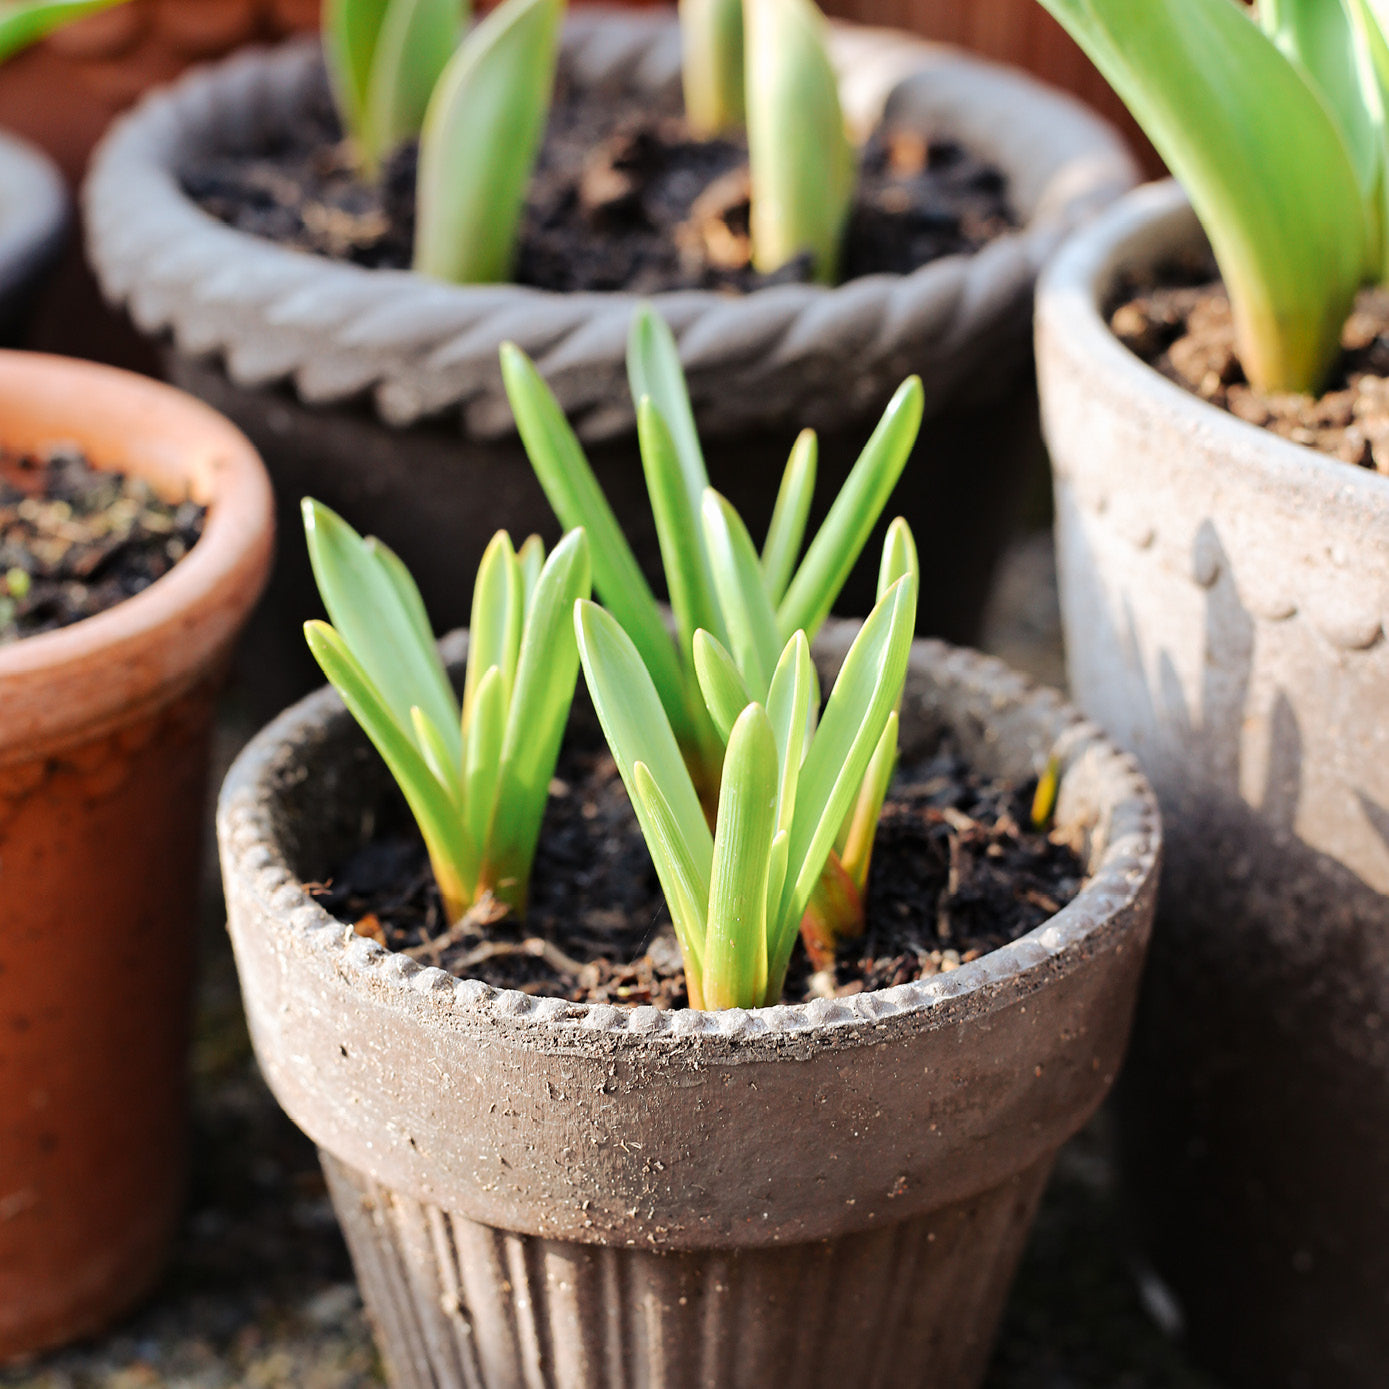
406, 589
724, 690
450, 854
855, 843
494, 630
350, 30
748, 615
578, 501
1261, 158
374, 617
23, 22
480, 138
438, 755
482, 756
532, 559
711, 64
799, 155
682, 867
840, 540
791, 706
735, 938
786, 534
899, 556
415, 41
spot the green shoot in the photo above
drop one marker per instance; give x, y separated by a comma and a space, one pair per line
23, 22
737, 896
801, 161
750, 604
384, 58
1278, 138
481, 136
476, 778
711, 38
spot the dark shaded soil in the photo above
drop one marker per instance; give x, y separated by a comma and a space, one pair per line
1181, 325
75, 541
622, 198
957, 871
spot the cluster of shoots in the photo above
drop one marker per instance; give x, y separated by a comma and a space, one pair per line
1277, 124
23, 22
758, 806
478, 100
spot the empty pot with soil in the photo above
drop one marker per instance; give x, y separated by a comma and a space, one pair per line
543, 1190
377, 390
1223, 595
33, 221
134, 539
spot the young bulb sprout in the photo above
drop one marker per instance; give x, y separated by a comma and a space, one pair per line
1275, 124
734, 609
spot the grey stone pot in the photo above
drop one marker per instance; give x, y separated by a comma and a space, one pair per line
538, 1193
33, 223
380, 392
1224, 595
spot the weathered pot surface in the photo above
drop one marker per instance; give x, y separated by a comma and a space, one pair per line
545, 1193
1224, 595
33, 222
303, 352
103, 766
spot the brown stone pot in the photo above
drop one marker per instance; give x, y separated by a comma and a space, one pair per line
1224, 594
104, 731
379, 391
547, 1194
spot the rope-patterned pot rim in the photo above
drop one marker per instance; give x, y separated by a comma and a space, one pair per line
419, 349
1116, 897
33, 213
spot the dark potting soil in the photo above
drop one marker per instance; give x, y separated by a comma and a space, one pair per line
622, 198
75, 540
957, 871
1180, 324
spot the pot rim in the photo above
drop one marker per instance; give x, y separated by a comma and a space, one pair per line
34, 211
161, 637
1137, 230
420, 348
253, 857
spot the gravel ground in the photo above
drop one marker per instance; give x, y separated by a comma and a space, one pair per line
260, 1294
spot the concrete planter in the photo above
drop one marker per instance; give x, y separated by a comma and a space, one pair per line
104, 732
546, 1194
1224, 594
33, 221
380, 392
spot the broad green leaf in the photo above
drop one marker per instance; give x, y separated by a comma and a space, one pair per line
350, 31
438, 755
653, 369
494, 630
544, 689
481, 135
799, 155
840, 540
413, 46
451, 856
791, 706
748, 616
578, 501
23, 22
1262, 160
711, 48
633, 718
406, 589
683, 867
786, 534
692, 596
869, 685
361, 590
482, 758
855, 845
735, 938
724, 689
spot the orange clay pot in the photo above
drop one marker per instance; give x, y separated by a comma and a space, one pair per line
1020, 32
104, 730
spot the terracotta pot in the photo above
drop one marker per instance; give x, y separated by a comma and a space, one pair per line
33, 220
1224, 594
305, 353
550, 1194
1019, 32
103, 761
